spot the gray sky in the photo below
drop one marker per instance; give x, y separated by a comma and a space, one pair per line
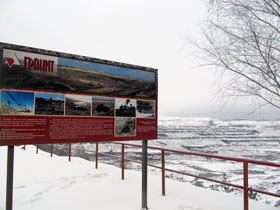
141, 32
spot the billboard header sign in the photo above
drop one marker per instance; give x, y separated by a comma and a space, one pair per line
53, 97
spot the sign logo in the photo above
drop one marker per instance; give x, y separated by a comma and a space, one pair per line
30, 61
12, 60
38, 64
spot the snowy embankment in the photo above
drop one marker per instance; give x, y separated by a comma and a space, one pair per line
42, 182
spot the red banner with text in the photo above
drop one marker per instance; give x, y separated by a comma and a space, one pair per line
57, 99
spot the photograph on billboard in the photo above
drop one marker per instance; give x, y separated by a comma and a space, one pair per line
49, 104
125, 108
56, 74
53, 97
103, 106
145, 108
125, 126
17, 102
77, 105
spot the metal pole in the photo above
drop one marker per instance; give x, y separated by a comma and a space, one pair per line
163, 172
10, 178
37, 149
144, 174
96, 156
122, 161
51, 150
69, 152
246, 183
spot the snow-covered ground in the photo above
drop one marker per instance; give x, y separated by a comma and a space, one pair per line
45, 183
258, 140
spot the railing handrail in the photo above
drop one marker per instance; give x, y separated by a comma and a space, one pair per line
245, 162
204, 155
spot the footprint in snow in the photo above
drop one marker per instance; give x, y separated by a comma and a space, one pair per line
31, 201
19, 187
188, 207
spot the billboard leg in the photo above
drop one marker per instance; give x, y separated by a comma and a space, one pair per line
10, 177
144, 175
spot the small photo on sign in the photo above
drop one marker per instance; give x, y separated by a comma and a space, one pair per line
78, 105
125, 127
49, 104
102, 106
17, 102
145, 108
125, 108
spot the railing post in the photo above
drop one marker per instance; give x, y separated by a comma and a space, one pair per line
144, 175
69, 152
51, 150
37, 149
10, 178
163, 171
96, 156
245, 187
122, 161
24, 147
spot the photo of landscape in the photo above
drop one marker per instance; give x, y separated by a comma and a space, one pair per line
140, 105
145, 109
49, 104
17, 102
78, 105
103, 106
76, 76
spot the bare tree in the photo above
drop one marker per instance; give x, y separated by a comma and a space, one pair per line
242, 38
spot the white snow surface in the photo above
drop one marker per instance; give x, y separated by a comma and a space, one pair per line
42, 182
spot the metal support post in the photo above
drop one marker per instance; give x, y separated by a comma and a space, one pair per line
69, 152
51, 150
37, 149
122, 161
246, 185
10, 178
96, 156
144, 174
163, 172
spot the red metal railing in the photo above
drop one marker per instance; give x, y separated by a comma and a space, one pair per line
245, 187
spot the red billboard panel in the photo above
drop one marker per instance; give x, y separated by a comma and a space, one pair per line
53, 97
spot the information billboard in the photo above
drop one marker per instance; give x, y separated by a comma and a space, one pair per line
54, 97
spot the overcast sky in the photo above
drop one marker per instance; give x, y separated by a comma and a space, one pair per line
142, 32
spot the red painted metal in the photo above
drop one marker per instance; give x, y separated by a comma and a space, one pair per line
96, 156
245, 185
263, 192
122, 162
206, 155
242, 160
163, 172
51, 150
204, 178
69, 152
114, 156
